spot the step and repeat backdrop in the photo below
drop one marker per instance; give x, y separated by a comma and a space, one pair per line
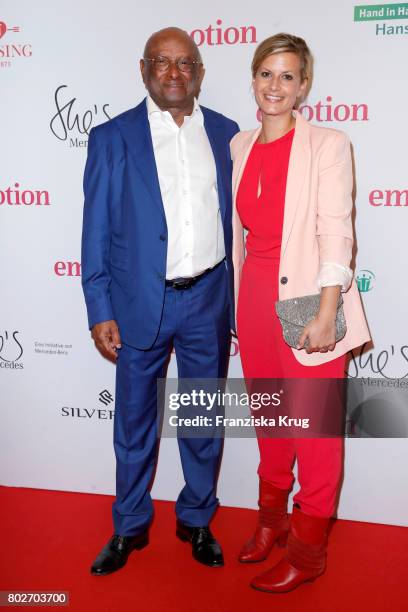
68, 66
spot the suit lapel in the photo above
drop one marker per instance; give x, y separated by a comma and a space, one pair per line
216, 137
135, 130
299, 165
238, 172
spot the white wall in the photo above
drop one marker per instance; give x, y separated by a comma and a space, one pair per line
94, 49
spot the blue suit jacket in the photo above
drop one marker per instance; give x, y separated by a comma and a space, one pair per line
124, 237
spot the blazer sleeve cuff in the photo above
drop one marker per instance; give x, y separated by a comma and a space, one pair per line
332, 274
99, 311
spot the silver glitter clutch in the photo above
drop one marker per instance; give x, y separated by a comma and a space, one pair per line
295, 313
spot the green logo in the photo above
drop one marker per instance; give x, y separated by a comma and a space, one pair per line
365, 280
373, 12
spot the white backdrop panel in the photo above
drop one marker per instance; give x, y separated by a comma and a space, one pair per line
55, 406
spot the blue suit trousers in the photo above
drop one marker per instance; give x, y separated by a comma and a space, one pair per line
196, 322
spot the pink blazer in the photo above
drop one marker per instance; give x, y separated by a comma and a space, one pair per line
317, 225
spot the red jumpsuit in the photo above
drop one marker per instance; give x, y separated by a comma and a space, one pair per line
264, 353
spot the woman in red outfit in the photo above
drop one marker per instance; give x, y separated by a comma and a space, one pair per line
293, 196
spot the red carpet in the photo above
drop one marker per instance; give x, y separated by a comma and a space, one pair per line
49, 539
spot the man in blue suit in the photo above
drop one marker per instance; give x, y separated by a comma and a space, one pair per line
157, 273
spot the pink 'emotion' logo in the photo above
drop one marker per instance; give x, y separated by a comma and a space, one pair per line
329, 111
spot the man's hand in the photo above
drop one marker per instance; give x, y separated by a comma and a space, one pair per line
107, 339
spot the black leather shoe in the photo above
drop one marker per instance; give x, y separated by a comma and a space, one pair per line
206, 549
114, 555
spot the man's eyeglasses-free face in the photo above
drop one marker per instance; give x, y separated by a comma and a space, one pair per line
161, 64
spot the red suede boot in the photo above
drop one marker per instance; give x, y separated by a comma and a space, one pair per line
273, 524
305, 559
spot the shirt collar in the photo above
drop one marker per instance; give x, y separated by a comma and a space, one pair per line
196, 115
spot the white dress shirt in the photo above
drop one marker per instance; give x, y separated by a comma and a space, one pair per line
188, 184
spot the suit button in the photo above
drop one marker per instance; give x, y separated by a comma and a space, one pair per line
284, 280
162, 237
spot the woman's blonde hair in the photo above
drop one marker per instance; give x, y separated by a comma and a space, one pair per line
284, 43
